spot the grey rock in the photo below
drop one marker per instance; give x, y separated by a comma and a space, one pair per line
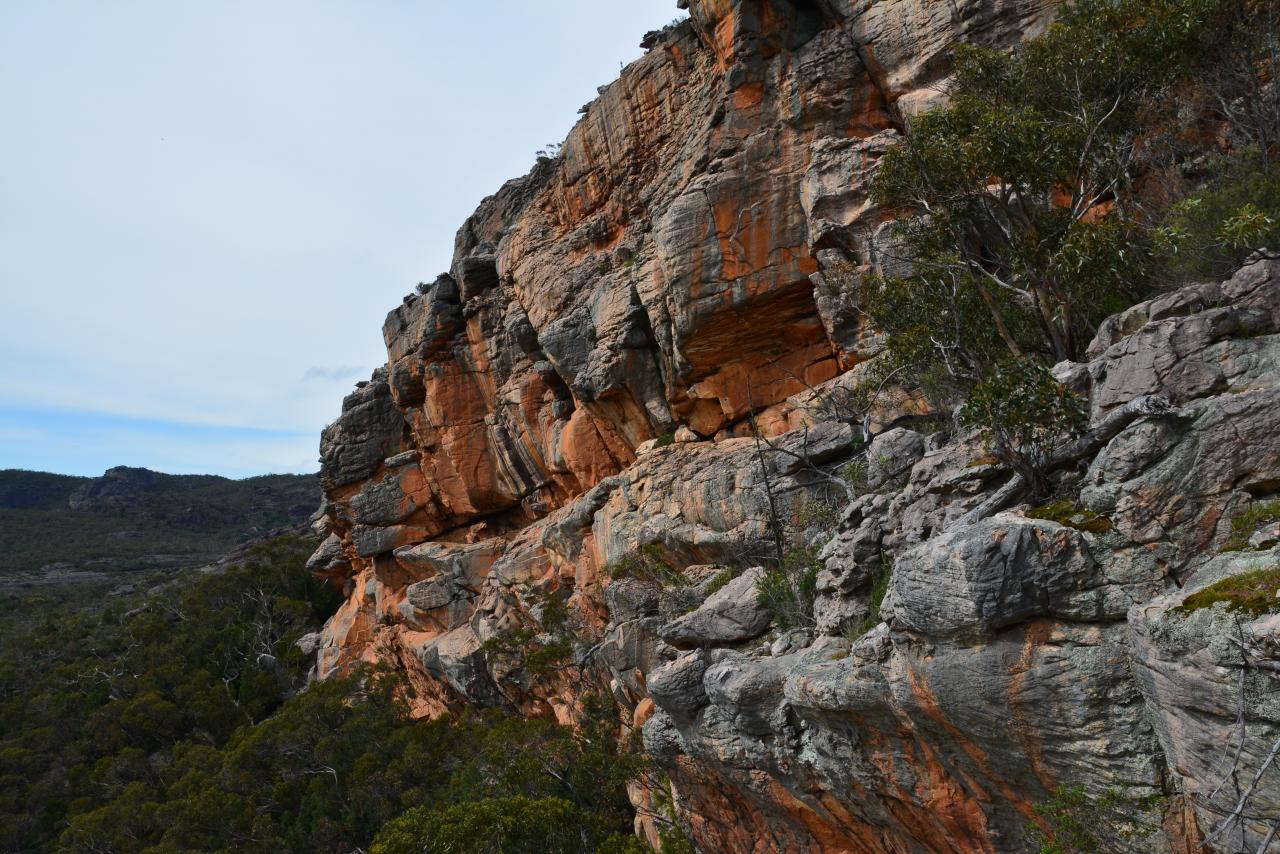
383, 501
370, 428
329, 557
661, 738
456, 659
1002, 571
630, 599
369, 540
1189, 668
467, 561
677, 687
749, 692
892, 454
433, 593
814, 445
731, 615
309, 643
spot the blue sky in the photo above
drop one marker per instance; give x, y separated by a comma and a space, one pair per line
207, 208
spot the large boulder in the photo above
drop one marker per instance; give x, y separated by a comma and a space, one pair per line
731, 615
997, 573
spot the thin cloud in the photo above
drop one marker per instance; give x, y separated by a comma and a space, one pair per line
342, 372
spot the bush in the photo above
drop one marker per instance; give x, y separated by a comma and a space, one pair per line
648, 563
789, 590
1216, 228
1014, 196
1078, 823
491, 826
1021, 223
1024, 411
879, 587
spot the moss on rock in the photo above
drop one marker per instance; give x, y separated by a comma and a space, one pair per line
1253, 593
1071, 515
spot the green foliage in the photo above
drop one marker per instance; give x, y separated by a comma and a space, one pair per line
182, 726
648, 563
855, 474
190, 519
541, 650
671, 836
789, 590
1070, 514
1005, 192
98, 702
1246, 523
490, 826
1252, 593
666, 439
720, 579
1025, 411
1216, 228
1020, 221
817, 512
1078, 823
879, 587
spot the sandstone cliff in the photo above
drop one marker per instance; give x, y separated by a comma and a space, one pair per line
579, 392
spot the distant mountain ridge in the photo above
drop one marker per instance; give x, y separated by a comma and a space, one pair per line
64, 527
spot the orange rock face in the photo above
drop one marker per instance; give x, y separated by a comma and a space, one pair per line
662, 275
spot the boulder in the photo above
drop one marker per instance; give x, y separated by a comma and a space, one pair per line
731, 615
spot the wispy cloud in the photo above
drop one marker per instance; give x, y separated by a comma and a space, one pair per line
338, 374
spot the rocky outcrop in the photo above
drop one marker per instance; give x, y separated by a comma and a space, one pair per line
570, 473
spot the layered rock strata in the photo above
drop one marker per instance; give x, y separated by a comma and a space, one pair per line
561, 451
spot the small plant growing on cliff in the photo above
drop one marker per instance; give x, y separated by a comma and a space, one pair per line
648, 563
789, 589
1246, 524
537, 650
818, 512
551, 152
1074, 822
879, 588
1025, 412
1251, 594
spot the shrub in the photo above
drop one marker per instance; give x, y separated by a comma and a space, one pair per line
789, 589
1013, 195
649, 563
1078, 823
489, 826
879, 587
817, 513
1019, 218
539, 650
1216, 228
1245, 524
721, 578
1024, 411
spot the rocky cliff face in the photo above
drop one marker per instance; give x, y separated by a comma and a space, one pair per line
566, 419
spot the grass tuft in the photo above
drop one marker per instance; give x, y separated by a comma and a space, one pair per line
1252, 593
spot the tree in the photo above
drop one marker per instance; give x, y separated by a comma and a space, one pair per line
1021, 222
1014, 199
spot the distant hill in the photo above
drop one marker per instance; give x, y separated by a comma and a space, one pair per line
58, 528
